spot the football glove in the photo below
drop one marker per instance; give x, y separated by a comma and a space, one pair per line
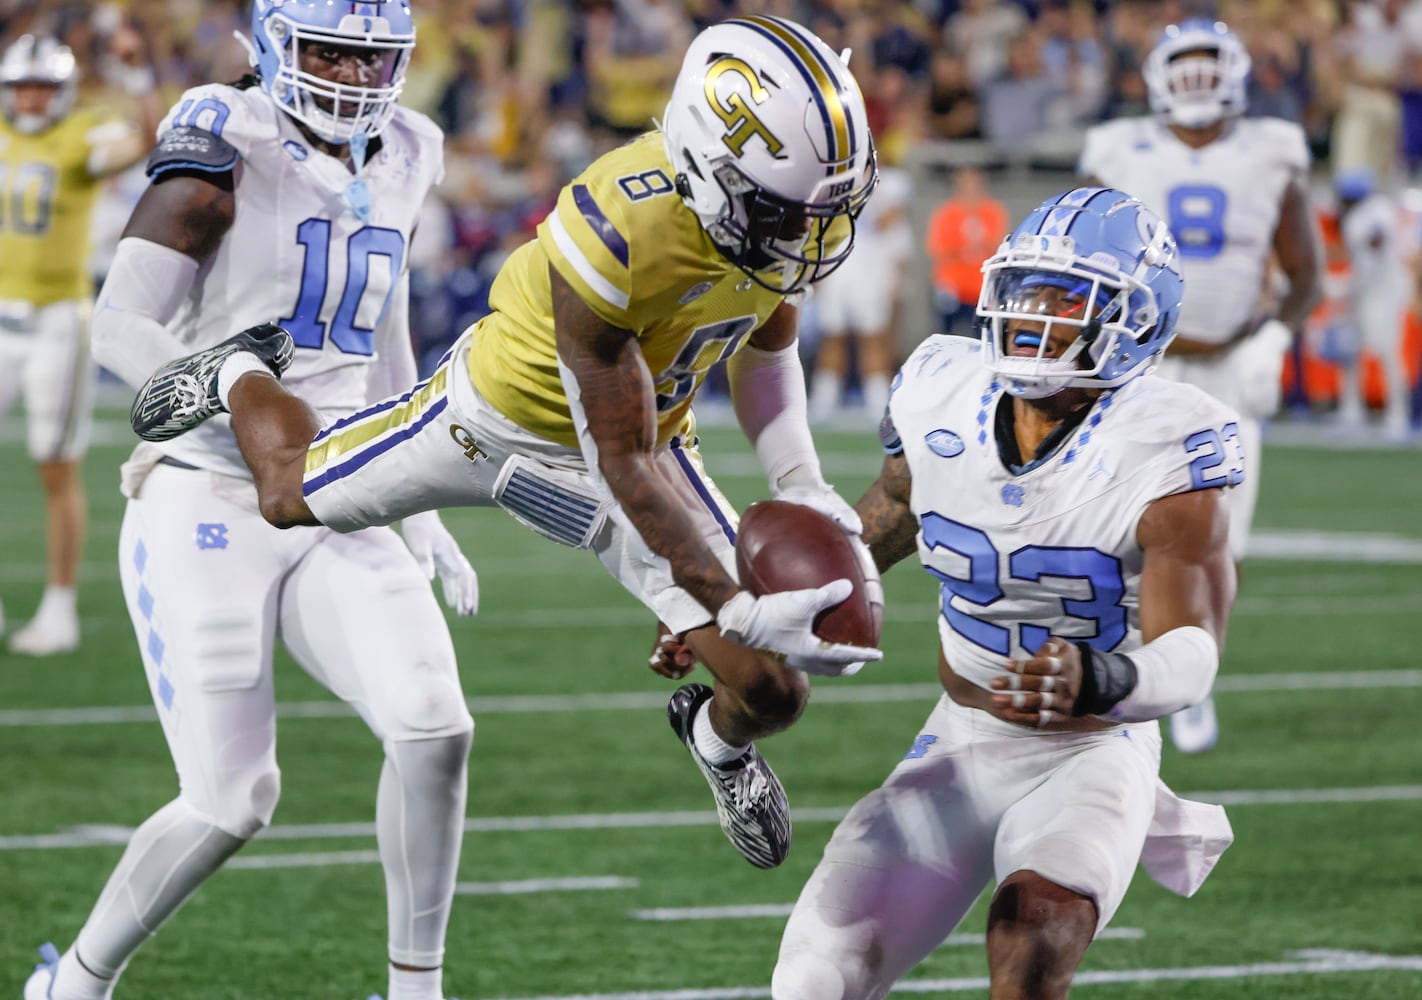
436, 551
824, 499
781, 624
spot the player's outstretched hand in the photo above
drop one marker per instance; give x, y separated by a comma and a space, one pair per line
781, 624
1041, 690
435, 549
671, 657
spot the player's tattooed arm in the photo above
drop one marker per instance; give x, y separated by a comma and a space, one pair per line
184, 213
615, 388
890, 528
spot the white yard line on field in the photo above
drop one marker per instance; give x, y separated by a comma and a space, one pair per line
1311, 962
110, 835
825, 694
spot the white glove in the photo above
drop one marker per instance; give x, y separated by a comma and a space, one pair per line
435, 550
1260, 358
781, 625
824, 499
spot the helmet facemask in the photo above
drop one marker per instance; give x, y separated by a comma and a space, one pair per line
1197, 74
1036, 299
781, 244
333, 111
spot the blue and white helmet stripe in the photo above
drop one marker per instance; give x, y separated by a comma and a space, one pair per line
1117, 259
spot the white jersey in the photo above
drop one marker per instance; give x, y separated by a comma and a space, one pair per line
298, 254
1373, 234
1221, 202
1050, 551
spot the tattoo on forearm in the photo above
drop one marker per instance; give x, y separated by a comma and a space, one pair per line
890, 528
616, 395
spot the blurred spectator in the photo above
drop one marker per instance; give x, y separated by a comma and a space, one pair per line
1373, 49
963, 232
952, 101
981, 33
1075, 58
1018, 106
634, 49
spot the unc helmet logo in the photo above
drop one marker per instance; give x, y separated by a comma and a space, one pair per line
1160, 249
742, 123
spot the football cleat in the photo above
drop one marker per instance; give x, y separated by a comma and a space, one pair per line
183, 393
46, 636
41, 981
750, 801
1195, 729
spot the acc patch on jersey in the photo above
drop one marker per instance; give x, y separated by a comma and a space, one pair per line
944, 443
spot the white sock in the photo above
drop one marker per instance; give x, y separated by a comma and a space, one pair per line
75, 982
711, 747
409, 984
825, 387
876, 394
58, 602
238, 363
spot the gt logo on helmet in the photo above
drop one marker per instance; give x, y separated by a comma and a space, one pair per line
742, 124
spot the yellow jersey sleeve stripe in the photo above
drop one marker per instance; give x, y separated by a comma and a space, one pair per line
580, 263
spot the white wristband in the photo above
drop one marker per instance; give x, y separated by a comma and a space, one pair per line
1173, 671
238, 363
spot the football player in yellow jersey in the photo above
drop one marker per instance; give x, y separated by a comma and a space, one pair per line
570, 405
52, 161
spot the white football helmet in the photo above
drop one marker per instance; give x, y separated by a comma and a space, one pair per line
334, 111
1197, 73
767, 133
38, 59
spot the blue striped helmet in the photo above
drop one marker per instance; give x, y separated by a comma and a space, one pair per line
767, 134
333, 111
38, 59
1084, 293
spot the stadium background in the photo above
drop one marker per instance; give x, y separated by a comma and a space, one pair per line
594, 863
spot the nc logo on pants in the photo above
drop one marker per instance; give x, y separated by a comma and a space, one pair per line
212, 536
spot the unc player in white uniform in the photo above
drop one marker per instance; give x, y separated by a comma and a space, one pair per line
1379, 291
1071, 507
289, 195
1233, 191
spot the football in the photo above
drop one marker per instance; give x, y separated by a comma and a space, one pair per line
788, 546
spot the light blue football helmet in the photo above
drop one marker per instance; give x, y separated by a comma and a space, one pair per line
334, 111
1093, 266
1197, 90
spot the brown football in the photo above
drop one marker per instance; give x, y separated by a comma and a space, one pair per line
788, 546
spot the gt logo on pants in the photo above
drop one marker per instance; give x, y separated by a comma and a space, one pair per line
465, 440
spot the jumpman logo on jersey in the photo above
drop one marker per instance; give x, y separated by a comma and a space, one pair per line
1099, 469
211, 536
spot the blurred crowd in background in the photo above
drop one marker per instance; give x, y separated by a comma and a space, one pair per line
530, 91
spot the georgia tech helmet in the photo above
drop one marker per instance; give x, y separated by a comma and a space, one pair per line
767, 133
38, 59
333, 111
1197, 73
1093, 262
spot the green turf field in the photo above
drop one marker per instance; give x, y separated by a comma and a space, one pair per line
593, 865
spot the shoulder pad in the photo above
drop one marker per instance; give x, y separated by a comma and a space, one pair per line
188, 148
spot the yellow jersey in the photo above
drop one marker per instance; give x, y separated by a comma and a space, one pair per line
624, 240
47, 194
